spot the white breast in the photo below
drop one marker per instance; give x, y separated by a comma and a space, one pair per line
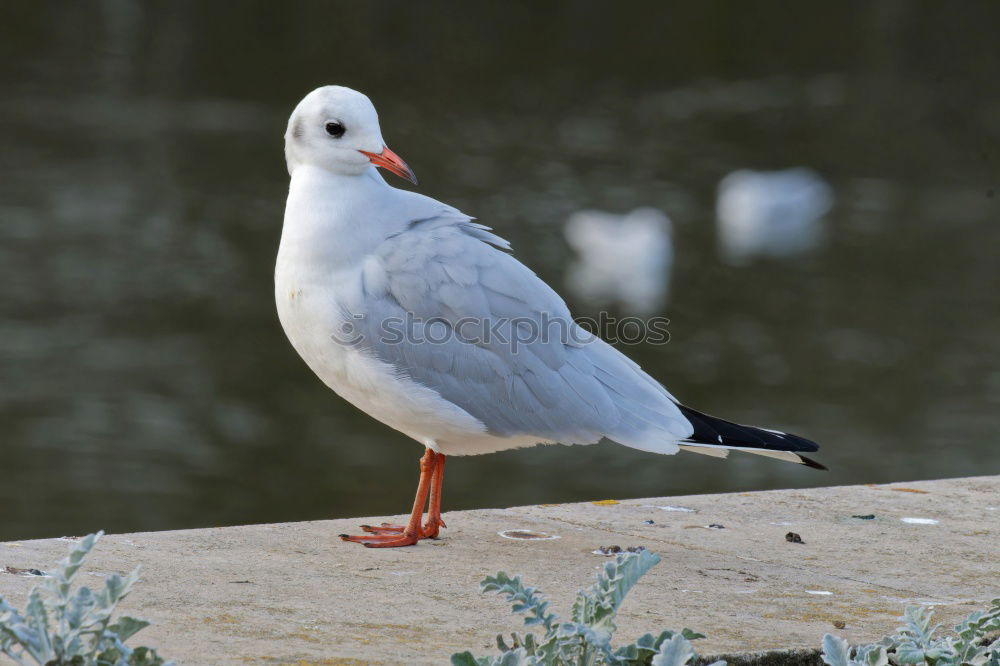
315, 325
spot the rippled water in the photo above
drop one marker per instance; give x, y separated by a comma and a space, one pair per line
147, 384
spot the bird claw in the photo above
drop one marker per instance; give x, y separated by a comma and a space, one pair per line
431, 527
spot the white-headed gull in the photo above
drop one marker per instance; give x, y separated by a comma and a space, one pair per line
776, 214
621, 259
423, 319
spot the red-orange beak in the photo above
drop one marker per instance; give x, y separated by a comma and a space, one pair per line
391, 161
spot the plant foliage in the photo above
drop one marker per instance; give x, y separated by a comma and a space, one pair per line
60, 628
586, 638
917, 643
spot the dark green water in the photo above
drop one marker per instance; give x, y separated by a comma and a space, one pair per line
147, 385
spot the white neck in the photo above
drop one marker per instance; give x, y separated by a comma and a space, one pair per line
333, 220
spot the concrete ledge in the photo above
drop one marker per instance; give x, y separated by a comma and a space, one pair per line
295, 594
801, 657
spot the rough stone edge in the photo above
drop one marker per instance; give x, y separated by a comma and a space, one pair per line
792, 657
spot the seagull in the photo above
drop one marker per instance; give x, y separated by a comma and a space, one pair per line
423, 319
774, 214
621, 259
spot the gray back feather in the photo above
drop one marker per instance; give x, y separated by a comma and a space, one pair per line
443, 303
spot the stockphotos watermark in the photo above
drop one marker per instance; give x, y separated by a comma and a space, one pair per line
512, 333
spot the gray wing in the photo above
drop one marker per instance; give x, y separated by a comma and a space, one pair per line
443, 303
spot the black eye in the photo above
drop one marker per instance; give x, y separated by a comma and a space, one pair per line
336, 130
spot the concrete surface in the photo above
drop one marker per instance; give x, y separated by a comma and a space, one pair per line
295, 594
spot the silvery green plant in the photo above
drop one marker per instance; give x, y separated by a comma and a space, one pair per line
60, 628
917, 643
585, 640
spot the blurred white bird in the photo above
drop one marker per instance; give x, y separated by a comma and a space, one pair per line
422, 318
775, 214
622, 260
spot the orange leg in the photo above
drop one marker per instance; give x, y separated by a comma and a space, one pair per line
434, 521
383, 538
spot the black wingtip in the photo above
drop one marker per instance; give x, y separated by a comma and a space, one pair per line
712, 431
809, 462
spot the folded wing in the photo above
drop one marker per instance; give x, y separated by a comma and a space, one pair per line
444, 304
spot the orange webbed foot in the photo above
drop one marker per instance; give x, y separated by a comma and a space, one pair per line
384, 528
383, 540
429, 530
388, 535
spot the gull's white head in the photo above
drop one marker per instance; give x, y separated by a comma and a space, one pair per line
336, 128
